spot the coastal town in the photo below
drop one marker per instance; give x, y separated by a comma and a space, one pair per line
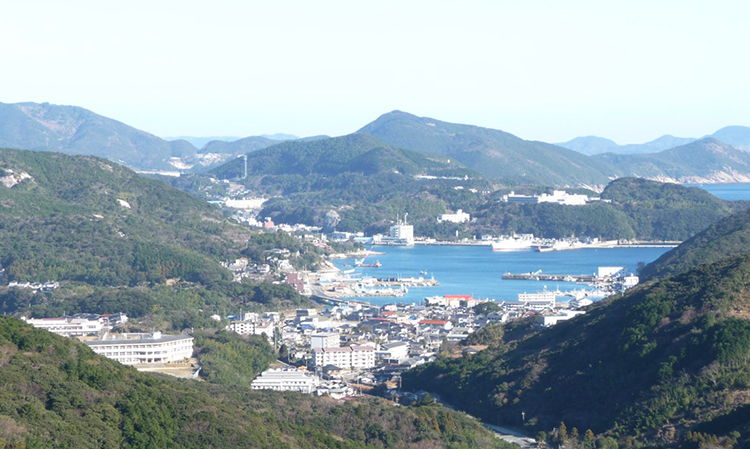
342, 348
347, 345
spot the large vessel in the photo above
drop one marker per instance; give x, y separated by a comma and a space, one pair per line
515, 243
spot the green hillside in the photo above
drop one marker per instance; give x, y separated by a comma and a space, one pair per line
728, 237
84, 219
113, 240
644, 369
493, 153
632, 208
58, 393
74, 130
367, 182
704, 161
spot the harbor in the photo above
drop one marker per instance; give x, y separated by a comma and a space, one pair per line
477, 271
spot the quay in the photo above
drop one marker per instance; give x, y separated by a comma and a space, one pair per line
550, 277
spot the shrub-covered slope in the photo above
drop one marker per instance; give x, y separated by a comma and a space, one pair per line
727, 237
668, 358
58, 393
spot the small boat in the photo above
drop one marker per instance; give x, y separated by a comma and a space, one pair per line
423, 272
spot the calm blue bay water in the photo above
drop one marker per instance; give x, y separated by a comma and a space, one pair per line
477, 270
730, 192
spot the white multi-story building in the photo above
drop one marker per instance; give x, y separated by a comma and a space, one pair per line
459, 217
285, 380
397, 350
402, 234
350, 357
133, 349
253, 328
537, 301
325, 340
557, 197
66, 326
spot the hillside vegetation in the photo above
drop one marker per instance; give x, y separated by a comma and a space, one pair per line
114, 240
633, 208
58, 393
85, 219
654, 367
728, 237
367, 182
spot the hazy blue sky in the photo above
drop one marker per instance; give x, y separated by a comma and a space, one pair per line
543, 70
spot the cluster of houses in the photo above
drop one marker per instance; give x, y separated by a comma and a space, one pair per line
356, 343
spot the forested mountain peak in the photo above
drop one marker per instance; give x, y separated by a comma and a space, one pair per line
493, 153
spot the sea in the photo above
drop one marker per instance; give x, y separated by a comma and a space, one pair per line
477, 270
730, 192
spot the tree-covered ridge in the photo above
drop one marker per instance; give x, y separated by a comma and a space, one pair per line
493, 153
666, 211
58, 393
331, 156
632, 208
728, 237
86, 219
366, 181
667, 358
231, 359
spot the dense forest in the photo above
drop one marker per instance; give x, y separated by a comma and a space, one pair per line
58, 393
665, 359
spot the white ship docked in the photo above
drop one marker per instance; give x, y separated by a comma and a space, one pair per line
521, 242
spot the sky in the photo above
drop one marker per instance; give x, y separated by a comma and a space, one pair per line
543, 70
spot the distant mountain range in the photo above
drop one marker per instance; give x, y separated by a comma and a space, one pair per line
591, 145
200, 142
703, 161
493, 153
736, 136
74, 130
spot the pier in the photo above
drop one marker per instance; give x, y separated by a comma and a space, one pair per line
550, 277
